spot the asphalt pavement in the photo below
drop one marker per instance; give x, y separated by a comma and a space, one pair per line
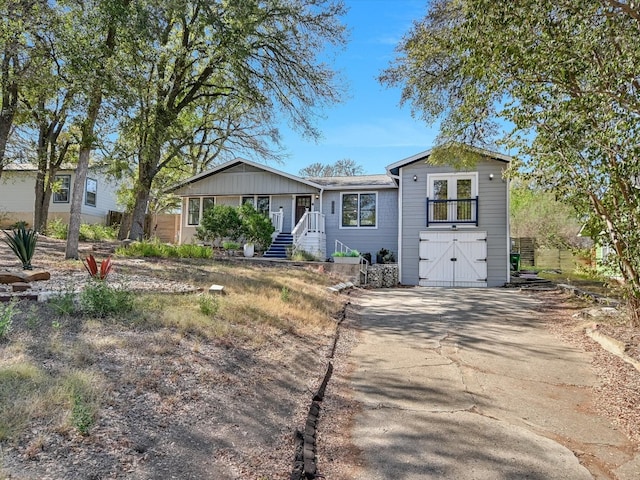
467, 384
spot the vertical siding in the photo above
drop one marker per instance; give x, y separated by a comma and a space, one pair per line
492, 217
365, 240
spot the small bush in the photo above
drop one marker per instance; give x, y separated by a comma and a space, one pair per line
56, 228
284, 294
82, 394
97, 233
350, 253
231, 245
153, 248
209, 305
64, 303
7, 312
99, 299
300, 255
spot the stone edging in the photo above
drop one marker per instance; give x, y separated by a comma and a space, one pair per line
611, 345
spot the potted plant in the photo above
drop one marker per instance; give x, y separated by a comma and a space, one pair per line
351, 257
385, 256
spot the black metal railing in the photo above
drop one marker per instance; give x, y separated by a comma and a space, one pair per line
458, 211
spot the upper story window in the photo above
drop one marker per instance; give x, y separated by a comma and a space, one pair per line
452, 198
63, 187
359, 210
91, 192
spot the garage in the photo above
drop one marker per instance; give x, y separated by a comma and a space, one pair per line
453, 259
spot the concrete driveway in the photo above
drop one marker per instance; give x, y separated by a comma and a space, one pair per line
466, 384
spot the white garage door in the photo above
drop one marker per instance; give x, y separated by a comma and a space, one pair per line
453, 259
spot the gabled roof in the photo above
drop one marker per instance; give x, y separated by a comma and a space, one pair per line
238, 161
393, 169
321, 183
355, 182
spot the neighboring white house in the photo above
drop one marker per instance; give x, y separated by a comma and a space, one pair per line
17, 195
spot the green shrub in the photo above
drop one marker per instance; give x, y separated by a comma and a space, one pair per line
99, 299
231, 245
7, 312
64, 303
209, 305
193, 251
300, 255
256, 227
22, 242
284, 294
97, 233
350, 253
56, 228
153, 248
218, 222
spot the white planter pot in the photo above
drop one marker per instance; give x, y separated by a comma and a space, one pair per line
349, 260
249, 249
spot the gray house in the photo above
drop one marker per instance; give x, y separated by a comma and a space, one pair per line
447, 227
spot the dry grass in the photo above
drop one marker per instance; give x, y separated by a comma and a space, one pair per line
59, 371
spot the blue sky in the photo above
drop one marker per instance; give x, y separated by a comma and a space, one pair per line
369, 127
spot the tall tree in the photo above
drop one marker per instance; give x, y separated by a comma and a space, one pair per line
95, 26
259, 54
565, 75
19, 21
341, 168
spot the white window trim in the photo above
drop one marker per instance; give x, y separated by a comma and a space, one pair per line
453, 176
86, 192
68, 189
357, 227
187, 210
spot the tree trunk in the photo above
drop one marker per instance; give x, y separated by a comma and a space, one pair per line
86, 144
140, 210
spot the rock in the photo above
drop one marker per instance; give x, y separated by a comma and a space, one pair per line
217, 290
20, 286
37, 275
9, 277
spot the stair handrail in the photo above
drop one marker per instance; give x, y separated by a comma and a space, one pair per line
277, 219
364, 263
310, 222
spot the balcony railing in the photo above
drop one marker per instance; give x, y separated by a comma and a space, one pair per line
459, 211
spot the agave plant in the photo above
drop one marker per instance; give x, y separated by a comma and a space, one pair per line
92, 267
23, 243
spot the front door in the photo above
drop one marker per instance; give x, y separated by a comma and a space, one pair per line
303, 203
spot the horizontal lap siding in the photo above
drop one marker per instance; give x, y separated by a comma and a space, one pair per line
365, 240
492, 217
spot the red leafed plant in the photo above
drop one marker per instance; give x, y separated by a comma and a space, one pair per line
92, 267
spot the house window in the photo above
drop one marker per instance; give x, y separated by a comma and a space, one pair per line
359, 210
452, 198
62, 186
91, 192
262, 205
193, 209
207, 203
248, 200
